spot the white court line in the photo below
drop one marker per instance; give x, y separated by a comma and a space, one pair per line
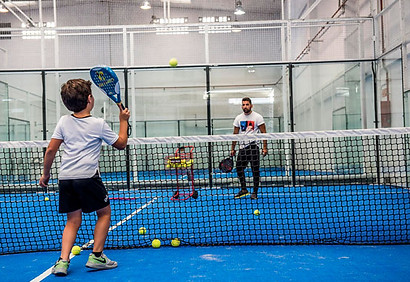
119, 223
89, 243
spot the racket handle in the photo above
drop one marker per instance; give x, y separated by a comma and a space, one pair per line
129, 129
121, 106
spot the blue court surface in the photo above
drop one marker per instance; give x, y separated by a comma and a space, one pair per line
349, 214
245, 247
226, 263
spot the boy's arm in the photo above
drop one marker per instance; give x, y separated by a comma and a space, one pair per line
122, 140
48, 160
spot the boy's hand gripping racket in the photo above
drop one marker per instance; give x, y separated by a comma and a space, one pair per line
106, 79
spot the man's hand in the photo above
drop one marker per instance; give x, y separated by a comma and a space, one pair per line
265, 151
44, 180
233, 152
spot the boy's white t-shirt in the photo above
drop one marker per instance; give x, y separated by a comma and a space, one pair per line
248, 124
82, 138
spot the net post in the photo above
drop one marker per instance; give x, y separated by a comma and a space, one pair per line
406, 160
127, 149
376, 119
378, 158
292, 125
44, 104
44, 112
209, 122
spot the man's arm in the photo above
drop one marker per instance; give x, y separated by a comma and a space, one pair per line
48, 160
235, 131
262, 128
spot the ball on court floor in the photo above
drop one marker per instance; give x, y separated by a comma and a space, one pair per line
46, 199
256, 212
173, 62
75, 250
175, 242
142, 231
156, 243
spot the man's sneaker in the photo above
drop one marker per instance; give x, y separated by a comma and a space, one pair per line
242, 193
254, 196
60, 268
101, 262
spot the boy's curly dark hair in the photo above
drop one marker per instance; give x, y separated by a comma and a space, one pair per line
74, 94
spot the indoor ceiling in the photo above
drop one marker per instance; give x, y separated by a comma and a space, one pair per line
228, 5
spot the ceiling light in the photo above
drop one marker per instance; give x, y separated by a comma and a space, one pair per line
172, 30
178, 1
155, 20
255, 101
236, 28
251, 69
216, 19
145, 5
238, 8
3, 9
342, 91
216, 29
242, 90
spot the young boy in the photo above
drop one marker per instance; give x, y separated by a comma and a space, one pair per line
80, 186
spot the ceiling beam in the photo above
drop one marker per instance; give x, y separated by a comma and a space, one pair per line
311, 8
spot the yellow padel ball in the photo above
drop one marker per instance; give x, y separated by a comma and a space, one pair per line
142, 231
175, 242
156, 243
173, 62
76, 250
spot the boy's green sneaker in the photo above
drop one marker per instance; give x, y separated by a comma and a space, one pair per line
101, 262
60, 267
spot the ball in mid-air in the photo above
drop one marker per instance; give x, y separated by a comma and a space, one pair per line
173, 62
256, 212
156, 243
175, 242
142, 231
75, 250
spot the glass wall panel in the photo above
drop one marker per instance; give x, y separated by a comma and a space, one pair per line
174, 101
4, 112
170, 101
390, 90
162, 128
193, 127
406, 101
21, 95
18, 129
328, 96
263, 84
406, 82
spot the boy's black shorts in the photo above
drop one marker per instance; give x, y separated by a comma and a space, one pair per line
87, 194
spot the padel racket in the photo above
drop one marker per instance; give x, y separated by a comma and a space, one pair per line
106, 79
226, 165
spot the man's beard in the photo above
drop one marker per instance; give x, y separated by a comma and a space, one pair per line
246, 111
